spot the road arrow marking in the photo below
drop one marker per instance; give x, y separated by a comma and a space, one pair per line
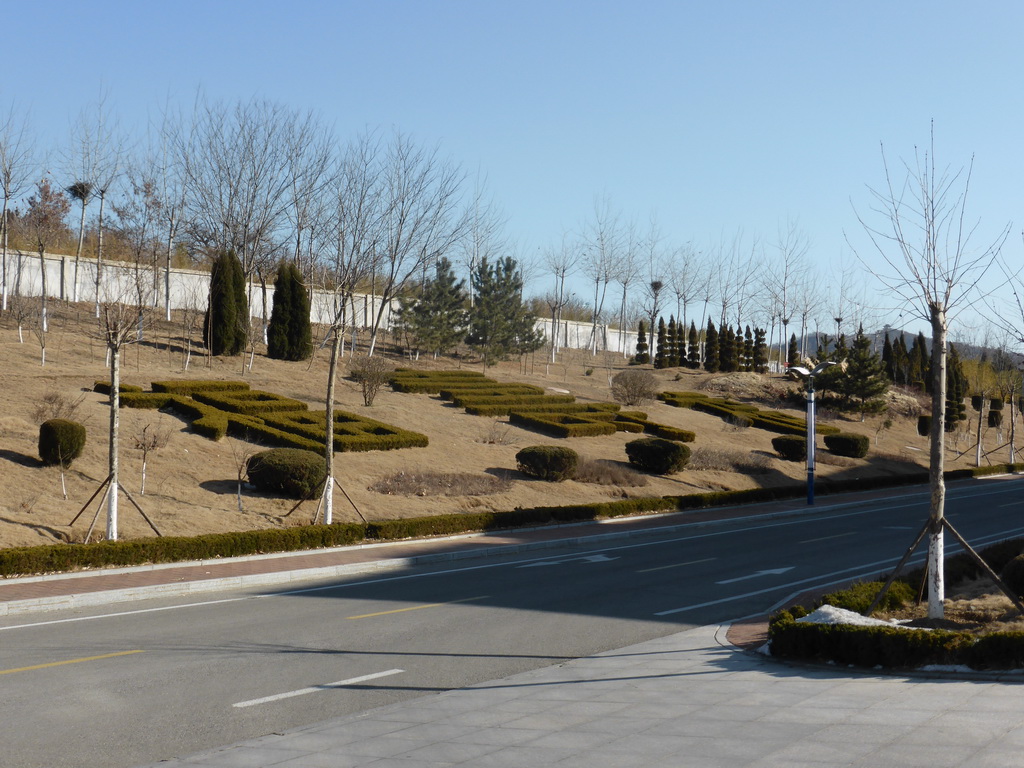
585, 559
315, 688
759, 574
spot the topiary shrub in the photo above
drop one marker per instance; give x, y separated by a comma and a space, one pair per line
548, 462
995, 419
291, 471
848, 444
977, 402
653, 454
1013, 575
924, 425
790, 447
61, 441
996, 403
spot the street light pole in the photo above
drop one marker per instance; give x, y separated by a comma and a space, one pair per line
809, 375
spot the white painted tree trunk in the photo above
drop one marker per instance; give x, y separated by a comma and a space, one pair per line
936, 574
332, 371
115, 402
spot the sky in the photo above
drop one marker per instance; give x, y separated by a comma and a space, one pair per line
718, 120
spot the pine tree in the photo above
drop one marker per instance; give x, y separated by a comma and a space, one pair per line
793, 353
863, 382
500, 323
436, 319
693, 348
289, 335
711, 350
760, 362
642, 355
661, 350
227, 315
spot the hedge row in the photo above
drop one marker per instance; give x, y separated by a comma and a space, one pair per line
431, 382
564, 424
103, 387
231, 408
732, 411
68, 557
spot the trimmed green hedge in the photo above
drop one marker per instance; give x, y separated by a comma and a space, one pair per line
848, 444
732, 411
563, 424
548, 462
103, 387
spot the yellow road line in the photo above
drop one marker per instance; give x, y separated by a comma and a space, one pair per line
69, 661
676, 565
416, 607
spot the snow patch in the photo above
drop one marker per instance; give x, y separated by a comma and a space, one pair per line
829, 614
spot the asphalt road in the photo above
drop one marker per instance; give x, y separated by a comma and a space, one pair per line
136, 683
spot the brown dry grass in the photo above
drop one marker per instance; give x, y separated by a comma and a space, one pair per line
191, 482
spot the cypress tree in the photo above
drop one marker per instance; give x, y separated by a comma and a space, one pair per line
227, 314
760, 361
747, 363
901, 361
642, 355
711, 351
888, 358
673, 343
693, 348
956, 390
289, 335
661, 351
793, 353
728, 360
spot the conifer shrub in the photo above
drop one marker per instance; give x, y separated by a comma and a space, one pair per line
995, 419
657, 455
548, 462
848, 444
977, 402
996, 403
61, 441
290, 471
790, 447
924, 424
289, 335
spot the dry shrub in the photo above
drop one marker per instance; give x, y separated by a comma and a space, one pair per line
721, 460
441, 484
832, 460
54, 405
608, 473
497, 433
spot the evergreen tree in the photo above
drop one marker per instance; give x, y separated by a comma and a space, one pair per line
711, 351
436, 319
661, 350
500, 323
226, 322
673, 343
901, 361
289, 334
888, 358
956, 390
727, 357
919, 364
760, 351
863, 382
793, 353
747, 360
693, 348
642, 355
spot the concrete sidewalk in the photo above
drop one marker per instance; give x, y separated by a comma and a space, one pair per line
690, 699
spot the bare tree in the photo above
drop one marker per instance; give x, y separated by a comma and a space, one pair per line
17, 165
561, 262
148, 440
310, 168
792, 245
602, 238
625, 272
935, 270
684, 279
420, 219
45, 220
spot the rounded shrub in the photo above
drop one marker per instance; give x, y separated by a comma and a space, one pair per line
548, 462
790, 447
1013, 575
290, 471
848, 444
61, 441
656, 455
924, 425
